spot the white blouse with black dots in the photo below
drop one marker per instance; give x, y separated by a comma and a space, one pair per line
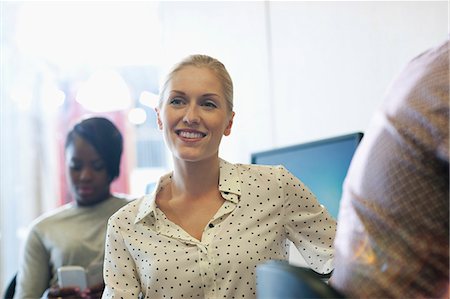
149, 256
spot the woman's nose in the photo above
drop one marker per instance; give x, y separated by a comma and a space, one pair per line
86, 174
191, 116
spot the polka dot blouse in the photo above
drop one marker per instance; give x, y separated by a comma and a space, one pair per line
148, 256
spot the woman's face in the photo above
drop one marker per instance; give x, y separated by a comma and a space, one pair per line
86, 171
194, 114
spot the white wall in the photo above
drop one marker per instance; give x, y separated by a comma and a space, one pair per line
332, 61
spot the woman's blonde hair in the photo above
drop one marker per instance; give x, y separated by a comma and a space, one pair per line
206, 61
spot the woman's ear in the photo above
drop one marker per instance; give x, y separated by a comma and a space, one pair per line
158, 120
230, 124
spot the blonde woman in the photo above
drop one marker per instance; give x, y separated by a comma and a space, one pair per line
209, 222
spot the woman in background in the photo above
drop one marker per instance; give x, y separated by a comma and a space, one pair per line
209, 223
74, 234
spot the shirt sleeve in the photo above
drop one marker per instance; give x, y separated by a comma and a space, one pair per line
308, 224
33, 277
120, 275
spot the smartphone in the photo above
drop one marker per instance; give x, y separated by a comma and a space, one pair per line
72, 276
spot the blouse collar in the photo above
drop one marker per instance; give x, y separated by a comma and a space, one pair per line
229, 187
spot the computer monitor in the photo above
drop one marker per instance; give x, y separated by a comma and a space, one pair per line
322, 165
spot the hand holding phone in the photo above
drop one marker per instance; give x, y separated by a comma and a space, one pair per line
72, 276
94, 274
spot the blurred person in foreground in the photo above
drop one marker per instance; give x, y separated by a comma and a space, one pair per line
74, 234
393, 232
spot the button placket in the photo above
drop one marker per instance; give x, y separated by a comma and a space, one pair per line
206, 270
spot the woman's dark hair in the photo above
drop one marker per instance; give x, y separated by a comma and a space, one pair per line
104, 136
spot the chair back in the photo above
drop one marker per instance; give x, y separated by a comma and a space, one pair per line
280, 280
11, 289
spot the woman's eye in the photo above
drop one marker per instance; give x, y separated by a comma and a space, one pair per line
98, 167
210, 104
176, 101
74, 166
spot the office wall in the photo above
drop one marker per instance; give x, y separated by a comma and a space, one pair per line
332, 61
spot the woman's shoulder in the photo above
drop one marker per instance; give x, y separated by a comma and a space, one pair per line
255, 168
130, 207
240, 173
123, 196
52, 217
121, 199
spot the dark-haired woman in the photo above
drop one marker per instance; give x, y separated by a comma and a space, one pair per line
74, 234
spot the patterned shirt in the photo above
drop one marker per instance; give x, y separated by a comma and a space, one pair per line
393, 233
264, 206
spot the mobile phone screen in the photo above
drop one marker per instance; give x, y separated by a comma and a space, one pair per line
72, 276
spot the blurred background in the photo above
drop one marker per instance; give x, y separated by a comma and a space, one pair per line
302, 71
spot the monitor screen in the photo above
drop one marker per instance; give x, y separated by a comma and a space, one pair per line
322, 165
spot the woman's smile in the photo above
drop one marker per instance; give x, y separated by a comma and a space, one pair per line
190, 135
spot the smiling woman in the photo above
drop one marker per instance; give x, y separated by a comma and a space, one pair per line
217, 220
194, 115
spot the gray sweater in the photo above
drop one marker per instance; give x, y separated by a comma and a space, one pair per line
69, 235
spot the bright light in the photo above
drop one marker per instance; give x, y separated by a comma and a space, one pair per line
137, 116
105, 91
73, 33
22, 98
149, 99
52, 96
